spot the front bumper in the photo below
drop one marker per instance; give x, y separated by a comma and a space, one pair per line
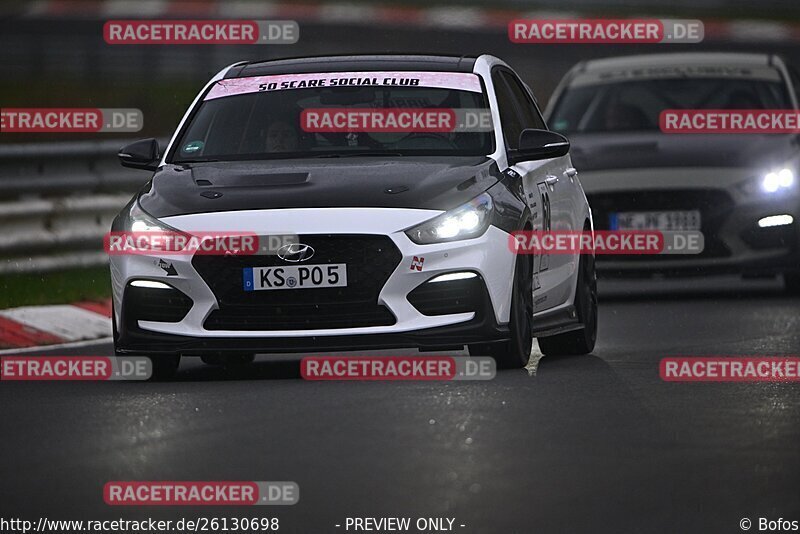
734, 241
477, 330
488, 256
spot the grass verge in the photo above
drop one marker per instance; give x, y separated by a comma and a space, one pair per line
60, 287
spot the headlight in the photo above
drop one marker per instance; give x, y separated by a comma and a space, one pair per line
138, 220
464, 222
777, 180
134, 222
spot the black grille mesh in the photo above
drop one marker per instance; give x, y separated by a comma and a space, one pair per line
150, 304
455, 296
370, 261
714, 207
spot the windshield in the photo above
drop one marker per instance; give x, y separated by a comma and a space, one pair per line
636, 105
338, 115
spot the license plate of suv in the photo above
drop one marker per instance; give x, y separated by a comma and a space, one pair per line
656, 220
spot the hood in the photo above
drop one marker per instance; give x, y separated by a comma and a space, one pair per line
439, 183
641, 150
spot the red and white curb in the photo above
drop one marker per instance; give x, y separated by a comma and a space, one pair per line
449, 17
37, 326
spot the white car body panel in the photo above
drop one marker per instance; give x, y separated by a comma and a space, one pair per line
488, 255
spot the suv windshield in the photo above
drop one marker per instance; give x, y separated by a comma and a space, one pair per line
338, 115
636, 105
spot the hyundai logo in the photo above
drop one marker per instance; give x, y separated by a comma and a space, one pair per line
295, 252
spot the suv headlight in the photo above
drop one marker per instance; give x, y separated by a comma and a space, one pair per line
776, 182
464, 222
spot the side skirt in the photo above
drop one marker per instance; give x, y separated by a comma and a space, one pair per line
556, 322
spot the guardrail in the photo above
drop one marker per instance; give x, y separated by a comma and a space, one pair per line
57, 200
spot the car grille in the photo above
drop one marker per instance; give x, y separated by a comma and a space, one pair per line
714, 207
370, 261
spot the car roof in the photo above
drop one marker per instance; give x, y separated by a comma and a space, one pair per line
684, 59
353, 63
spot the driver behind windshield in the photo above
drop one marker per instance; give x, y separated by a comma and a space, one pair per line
282, 136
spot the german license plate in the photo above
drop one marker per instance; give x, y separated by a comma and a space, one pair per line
295, 277
655, 220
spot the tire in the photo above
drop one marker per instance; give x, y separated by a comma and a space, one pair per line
114, 331
578, 341
516, 352
791, 282
164, 367
237, 360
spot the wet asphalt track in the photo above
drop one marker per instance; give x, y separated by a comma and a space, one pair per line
588, 444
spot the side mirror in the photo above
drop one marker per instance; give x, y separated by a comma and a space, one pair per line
142, 154
539, 144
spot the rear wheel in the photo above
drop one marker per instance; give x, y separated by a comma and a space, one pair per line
578, 341
515, 352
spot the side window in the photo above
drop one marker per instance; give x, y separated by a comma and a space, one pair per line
529, 114
509, 118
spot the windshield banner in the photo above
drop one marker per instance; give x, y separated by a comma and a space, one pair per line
459, 81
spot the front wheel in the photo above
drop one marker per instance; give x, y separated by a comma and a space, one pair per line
515, 352
237, 360
578, 341
164, 367
791, 281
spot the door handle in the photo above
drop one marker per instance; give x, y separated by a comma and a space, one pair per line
551, 180
571, 172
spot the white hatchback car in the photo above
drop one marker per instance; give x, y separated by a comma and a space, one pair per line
402, 239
